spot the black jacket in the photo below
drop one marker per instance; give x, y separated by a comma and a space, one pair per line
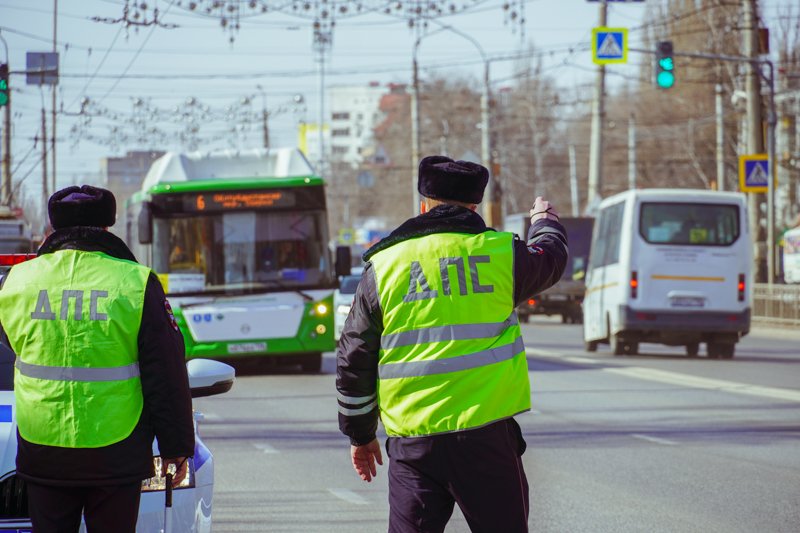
538, 264
167, 412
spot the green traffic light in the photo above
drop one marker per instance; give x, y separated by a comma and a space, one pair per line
666, 63
665, 79
3, 99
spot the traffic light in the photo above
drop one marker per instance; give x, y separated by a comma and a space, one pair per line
3, 84
665, 65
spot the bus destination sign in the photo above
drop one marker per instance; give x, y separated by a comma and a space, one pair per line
235, 200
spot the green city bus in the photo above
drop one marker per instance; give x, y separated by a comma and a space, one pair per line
239, 241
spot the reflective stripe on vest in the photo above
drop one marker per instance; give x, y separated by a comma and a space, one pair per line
64, 373
452, 356
73, 317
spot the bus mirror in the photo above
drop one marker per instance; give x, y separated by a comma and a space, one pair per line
343, 261
145, 224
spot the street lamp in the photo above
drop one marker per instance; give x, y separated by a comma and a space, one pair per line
489, 211
264, 115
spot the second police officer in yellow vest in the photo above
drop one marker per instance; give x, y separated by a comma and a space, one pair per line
100, 371
433, 347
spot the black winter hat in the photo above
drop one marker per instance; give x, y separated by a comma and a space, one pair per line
82, 206
442, 178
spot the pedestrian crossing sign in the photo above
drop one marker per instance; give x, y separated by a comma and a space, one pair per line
609, 45
754, 172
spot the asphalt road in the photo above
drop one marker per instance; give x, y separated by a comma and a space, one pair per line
652, 443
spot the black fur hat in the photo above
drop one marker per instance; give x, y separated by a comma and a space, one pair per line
82, 206
442, 178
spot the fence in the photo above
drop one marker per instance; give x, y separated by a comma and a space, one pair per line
778, 305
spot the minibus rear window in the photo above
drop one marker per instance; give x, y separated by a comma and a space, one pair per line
689, 224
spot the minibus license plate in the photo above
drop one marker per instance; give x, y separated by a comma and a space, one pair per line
247, 347
687, 301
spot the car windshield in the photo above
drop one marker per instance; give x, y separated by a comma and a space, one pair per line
689, 224
349, 284
245, 250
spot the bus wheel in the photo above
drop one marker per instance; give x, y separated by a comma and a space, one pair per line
692, 349
311, 363
590, 346
632, 348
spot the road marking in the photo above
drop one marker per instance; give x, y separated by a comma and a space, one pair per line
211, 417
684, 380
582, 360
654, 439
266, 448
539, 353
349, 496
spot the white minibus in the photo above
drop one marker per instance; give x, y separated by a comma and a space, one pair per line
669, 266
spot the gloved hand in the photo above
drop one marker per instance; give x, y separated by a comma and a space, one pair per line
542, 209
181, 467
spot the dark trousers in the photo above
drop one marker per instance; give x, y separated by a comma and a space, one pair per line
105, 509
480, 469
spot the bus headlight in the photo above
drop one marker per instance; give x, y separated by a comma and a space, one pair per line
320, 309
321, 329
159, 482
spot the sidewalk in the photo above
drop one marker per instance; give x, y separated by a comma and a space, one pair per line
761, 328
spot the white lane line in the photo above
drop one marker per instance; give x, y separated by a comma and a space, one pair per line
654, 439
349, 496
684, 380
540, 353
266, 448
211, 417
582, 360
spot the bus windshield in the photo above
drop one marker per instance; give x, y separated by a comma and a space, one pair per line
689, 224
241, 251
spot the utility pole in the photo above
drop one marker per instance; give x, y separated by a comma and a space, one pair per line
415, 133
491, 206
6, 181
573, 181
598, 117
631, 152
755, 140
53, 88
720, 139
44, 166
5, 184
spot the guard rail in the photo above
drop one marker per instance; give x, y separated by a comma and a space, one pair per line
777, 305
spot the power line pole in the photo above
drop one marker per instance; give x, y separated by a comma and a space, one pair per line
720, 139
631, 152
755, 139
53, 88
573, 181
415, 133
44, 166
6, 181
598, 116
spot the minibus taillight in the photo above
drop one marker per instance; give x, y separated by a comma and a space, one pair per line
740, 287
634, 284
531, 302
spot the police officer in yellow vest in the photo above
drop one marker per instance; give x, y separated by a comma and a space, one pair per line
433, 347
100, 371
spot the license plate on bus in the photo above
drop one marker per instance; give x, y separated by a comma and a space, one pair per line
687, 301
247, 347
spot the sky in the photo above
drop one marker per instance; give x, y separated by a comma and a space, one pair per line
271, 62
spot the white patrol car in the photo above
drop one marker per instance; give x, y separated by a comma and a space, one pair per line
191, 501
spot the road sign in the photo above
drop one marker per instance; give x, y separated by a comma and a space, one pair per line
609, 45
41, 68
346, 236
754, 172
